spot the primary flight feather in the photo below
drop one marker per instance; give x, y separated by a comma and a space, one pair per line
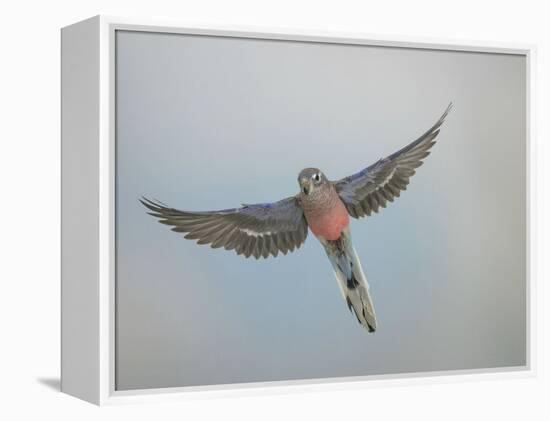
323, 206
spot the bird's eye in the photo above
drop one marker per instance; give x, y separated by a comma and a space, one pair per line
317, 177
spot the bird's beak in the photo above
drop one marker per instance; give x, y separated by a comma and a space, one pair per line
305, 185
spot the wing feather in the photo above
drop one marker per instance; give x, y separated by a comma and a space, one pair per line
258, 230
371, 188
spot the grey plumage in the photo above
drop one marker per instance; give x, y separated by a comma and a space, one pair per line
265, 229
371, 188
257, 230
351, 279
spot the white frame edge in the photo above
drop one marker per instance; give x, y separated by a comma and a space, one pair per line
80, 120
88, 97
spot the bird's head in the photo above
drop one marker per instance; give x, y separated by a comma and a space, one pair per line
310, 180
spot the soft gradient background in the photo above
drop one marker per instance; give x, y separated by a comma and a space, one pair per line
208, 123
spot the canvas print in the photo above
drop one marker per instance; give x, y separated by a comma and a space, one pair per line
323, 206
211, 134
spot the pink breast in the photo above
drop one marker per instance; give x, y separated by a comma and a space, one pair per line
330, 223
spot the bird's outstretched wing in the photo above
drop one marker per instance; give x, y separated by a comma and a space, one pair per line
252, 230
371, 188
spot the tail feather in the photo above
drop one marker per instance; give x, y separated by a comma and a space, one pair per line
359, 303
351, 280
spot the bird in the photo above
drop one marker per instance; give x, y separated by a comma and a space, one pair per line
322, 206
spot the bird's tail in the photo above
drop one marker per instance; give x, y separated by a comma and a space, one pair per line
351, 279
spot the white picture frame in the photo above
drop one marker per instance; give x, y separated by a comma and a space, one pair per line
88, 197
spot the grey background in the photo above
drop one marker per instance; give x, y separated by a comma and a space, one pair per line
208, 123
